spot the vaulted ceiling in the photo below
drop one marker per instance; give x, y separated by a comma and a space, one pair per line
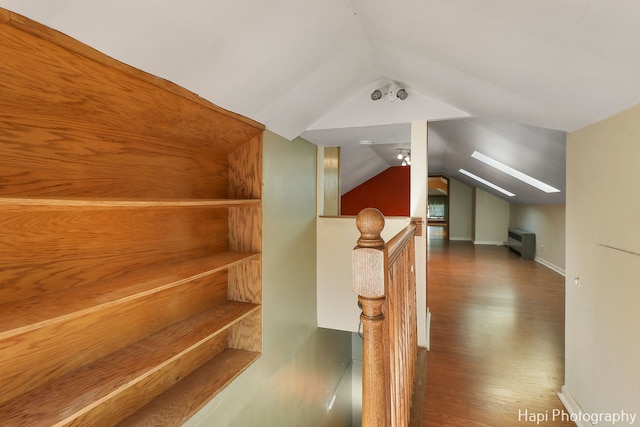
503, 77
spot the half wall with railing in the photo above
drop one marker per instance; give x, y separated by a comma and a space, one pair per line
385, 281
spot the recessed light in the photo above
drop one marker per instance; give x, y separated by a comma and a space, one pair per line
514, 173
366, 142
487, 183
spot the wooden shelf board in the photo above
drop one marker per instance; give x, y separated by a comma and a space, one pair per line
148, 363
117, 187
38, 312
176, 405
125, 203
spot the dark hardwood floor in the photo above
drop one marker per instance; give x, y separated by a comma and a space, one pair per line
497, 337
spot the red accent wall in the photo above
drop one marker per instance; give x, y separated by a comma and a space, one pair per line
389, 191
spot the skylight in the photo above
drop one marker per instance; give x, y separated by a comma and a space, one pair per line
514, 173
487, 183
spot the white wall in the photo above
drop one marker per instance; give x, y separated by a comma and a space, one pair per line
491, 219
548, 224
301, 364
602, 345
460, 211
337, 303
418, 209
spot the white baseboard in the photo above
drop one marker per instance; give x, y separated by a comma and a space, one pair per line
488, 242
428, 346
572, 406
462, 239
551, 266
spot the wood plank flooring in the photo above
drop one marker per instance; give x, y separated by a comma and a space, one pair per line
497, 337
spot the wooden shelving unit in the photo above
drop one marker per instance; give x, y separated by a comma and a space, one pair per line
130, 257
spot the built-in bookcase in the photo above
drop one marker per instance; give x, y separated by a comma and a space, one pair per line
130, 250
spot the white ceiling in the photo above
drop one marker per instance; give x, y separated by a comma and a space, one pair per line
307, 68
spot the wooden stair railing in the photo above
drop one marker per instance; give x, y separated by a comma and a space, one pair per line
384, 279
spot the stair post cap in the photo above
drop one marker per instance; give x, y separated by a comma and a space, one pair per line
370, 222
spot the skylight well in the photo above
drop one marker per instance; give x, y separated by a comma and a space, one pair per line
487, 183
514, 173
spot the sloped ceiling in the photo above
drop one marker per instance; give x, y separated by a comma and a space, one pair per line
307, 68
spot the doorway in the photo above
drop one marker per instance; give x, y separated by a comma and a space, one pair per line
438, 208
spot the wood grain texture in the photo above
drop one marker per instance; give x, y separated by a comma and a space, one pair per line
124, 200
44, 157
67, 43
81, 89
330, 180
48, 249
416, 418
376, 393
39, 355
83, 142
111, 388
368, 259
245, 229
175, 406
121, 202
384, 279
497, 336
401, 322
45, 310
246, 334
396, 245
368, 272
245, 281
245, 170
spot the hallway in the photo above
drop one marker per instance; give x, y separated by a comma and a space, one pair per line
497, 338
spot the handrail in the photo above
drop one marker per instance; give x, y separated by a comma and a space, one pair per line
384, 279
399, 241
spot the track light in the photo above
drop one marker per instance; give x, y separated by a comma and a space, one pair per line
405, 156
390, 92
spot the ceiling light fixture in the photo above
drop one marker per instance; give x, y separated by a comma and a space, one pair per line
487, 183
390, 92
405, 156
514, 173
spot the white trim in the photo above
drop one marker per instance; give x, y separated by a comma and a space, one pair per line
488, 242
465, 239
428, 346
572, 406
551, 266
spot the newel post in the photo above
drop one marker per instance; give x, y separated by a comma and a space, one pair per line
369, 272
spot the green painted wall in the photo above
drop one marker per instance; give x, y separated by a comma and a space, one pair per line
302, 365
